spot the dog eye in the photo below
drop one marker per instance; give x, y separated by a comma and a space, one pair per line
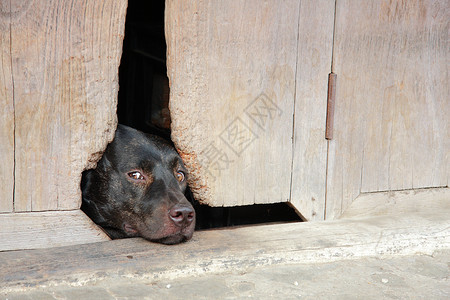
180, 176
136, 175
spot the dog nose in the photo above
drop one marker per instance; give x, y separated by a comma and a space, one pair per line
182, 215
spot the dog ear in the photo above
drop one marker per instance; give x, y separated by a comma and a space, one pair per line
104, 165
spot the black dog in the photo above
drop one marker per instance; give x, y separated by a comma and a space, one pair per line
138, 189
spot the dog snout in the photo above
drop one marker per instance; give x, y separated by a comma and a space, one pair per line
182, 215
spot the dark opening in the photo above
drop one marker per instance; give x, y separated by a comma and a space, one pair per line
144, 86
143, 104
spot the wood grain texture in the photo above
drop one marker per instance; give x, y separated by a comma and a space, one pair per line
399, 203
35, 230
232, 67
65, 58
230, 250
6, 112
391, 120
310, 147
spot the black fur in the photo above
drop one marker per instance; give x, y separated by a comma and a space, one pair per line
137, 189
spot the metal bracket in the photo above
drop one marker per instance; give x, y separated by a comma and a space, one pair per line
332, 77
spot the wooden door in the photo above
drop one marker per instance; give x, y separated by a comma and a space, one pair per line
6, 116
232, 70
65, 88
60, 83
248, 99
392, 104
309, 163
58, 90
236, 69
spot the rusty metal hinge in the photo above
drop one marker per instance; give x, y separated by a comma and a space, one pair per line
332, 77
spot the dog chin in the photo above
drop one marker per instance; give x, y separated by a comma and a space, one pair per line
172, 239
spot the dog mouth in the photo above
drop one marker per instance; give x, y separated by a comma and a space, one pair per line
173, 239
168, 238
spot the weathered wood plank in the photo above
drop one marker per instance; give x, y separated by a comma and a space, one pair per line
401, 202
34, 230
392, 130
310, 147
6, 111
230, 250
231, 66
65, 63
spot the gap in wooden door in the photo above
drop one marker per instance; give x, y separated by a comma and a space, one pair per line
143, 104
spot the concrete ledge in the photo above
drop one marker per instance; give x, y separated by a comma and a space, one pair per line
235, 249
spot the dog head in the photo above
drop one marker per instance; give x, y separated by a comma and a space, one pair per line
137, 189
